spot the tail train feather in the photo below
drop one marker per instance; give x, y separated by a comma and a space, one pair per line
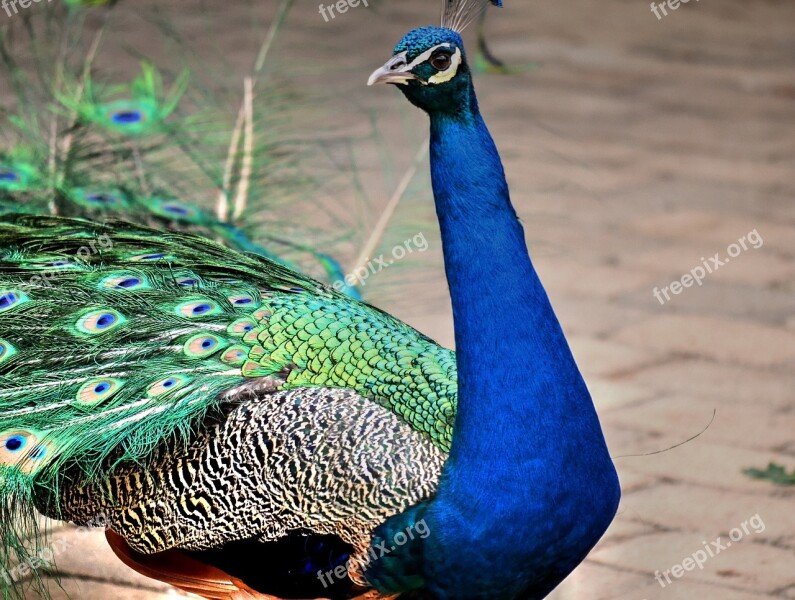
114, 338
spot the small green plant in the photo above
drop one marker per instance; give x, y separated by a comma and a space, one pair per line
774, 473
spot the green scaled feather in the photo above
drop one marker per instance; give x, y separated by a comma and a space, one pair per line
114, 338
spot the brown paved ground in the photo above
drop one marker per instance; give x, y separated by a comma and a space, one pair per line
637, 147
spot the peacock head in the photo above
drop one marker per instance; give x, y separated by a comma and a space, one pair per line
429, 66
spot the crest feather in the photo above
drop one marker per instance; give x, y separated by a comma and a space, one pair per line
458, 14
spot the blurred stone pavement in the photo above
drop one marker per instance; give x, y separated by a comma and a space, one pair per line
634, 147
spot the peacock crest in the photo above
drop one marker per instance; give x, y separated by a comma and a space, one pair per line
457, 15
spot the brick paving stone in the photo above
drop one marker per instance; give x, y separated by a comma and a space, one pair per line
754, 268
735, 423
610, 395
703, 463
595, 318
592, 581
593, 281
627, 444
735, 301
720, 229
710, 514
718, 339
86, 554
624, 528
763, 389
604, 358
742, 565
75, 589
689, 590
636, 480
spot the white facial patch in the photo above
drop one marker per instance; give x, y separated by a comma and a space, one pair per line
447, 74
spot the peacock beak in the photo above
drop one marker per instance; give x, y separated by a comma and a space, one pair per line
396, 70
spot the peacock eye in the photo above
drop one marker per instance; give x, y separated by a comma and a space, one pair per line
441, 61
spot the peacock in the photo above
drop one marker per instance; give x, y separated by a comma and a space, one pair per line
219, 402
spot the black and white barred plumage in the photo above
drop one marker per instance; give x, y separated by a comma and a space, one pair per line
322, 460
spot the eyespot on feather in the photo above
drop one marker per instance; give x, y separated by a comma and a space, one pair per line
197, 308
12, 299
14, 442
151, 257
252, 337
36, 457
174, 209
124, 282
167, 385
97, 391
127, 117
127, 114
59, 264
235, 356
187, 281
52, 264
6, 351
15, 445
103, 198
241, 327
242, 300
8, 175
203, 345
99, 321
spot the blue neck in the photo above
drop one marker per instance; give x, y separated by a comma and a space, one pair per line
528, 464
513, 358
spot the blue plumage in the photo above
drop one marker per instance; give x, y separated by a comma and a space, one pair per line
419, 40
529, 486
